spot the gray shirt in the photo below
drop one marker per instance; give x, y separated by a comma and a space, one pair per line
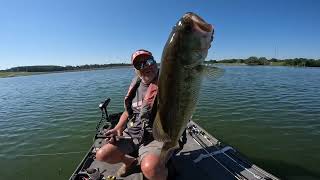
134, 127
138, 99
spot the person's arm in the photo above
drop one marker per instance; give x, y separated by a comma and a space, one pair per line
122, 121
118, 129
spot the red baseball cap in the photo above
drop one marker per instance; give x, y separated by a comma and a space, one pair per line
140, 52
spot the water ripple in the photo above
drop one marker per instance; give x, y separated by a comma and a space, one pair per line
266, 112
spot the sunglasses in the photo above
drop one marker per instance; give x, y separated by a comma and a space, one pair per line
144, 64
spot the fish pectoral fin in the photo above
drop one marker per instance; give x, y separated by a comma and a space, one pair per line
157, 130
212, 72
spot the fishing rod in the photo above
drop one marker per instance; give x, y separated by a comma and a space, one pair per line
200, 132
223, 152
201, 143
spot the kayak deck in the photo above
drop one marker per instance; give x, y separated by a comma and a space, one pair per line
202, 157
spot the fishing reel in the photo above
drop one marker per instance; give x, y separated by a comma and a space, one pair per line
90, 174
93, 174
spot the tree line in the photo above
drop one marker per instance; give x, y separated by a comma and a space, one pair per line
304, 62
264, 61
50, 68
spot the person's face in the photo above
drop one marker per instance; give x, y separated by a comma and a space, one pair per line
147, 69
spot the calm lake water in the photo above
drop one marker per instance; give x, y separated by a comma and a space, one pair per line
270, 114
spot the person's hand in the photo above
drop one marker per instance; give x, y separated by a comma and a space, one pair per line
112, 133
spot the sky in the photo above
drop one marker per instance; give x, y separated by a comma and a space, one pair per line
78, 32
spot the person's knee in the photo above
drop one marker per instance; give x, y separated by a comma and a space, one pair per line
101, 155
105, 153
151, 166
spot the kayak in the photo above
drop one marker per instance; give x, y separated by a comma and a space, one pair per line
201, 156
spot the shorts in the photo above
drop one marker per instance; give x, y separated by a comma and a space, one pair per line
127, 146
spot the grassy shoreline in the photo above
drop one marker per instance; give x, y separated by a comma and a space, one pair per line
7, 74
16, 74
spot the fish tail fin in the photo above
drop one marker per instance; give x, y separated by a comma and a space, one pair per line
167, 151
157, 130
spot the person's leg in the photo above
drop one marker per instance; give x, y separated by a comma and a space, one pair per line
152, 168
116, 152
151, 165
112, 154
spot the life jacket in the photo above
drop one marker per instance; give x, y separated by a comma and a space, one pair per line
147, 111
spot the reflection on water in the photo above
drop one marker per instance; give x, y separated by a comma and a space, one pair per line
271, 114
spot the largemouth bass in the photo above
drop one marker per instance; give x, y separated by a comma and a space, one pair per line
180, 78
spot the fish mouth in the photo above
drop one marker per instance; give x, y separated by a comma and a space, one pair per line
199, 23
